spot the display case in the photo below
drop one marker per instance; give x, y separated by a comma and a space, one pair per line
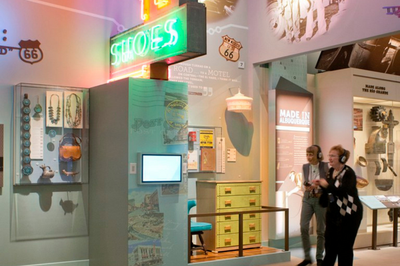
376, 134
206, 150
50, 134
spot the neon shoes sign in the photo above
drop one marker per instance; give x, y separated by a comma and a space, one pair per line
168, 40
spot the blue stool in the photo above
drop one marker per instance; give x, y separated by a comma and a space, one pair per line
198, 228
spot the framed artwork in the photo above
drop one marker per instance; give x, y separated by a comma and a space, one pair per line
358, 119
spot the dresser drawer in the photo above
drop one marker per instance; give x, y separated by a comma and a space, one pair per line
238, 202
233, 226
228, 240
238, 189
235, 217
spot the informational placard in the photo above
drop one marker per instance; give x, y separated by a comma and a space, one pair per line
376, 202
293, 134
37, 133
207, 138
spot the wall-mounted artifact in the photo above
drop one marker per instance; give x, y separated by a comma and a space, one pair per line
47, 172
378, 113
27, 169
362, 161
70, 148
73, 110
54, 105
377, 140
390, 123
385, 165
384, 184
378, 167
361, 182
391, 169
38, 109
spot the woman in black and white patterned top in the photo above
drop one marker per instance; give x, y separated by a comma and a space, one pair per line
345, 210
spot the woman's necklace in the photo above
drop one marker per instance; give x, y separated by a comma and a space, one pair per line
336, 173
78, 111
51, 110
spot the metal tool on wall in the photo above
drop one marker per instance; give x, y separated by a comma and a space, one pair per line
391, 123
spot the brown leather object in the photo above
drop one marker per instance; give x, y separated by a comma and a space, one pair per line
70, 148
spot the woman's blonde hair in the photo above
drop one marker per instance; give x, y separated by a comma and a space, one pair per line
344, 154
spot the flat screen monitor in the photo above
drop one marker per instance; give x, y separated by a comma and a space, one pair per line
156, 168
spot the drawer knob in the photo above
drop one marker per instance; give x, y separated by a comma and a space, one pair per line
228, 217
252, 225
252, 201
252, 238
228, 190
252, 189
252, 215
227, 241
228, 202
227, 228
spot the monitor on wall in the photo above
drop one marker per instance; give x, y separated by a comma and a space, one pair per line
159, 168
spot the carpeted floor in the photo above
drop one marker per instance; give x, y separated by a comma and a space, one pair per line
385, 256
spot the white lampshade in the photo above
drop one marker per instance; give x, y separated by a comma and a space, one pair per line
239, 103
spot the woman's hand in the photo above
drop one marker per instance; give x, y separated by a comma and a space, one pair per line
321, 182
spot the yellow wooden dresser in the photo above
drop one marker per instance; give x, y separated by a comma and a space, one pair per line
229, 196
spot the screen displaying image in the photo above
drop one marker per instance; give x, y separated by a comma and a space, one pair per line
160, 168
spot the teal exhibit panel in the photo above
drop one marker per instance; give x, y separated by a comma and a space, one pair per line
158, 117
139, 130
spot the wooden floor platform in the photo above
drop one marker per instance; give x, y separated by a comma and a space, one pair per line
198, 255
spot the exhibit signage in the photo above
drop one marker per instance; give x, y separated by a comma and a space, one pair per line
294, 120
168, 39
392, 10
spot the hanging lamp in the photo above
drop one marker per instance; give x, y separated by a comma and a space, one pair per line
239, 102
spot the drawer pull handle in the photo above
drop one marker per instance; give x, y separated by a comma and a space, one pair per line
227, 228
252, 189
227, 241
252, 201
252, 225
228, 217
228, 190
228, 202
252, 215
252, 238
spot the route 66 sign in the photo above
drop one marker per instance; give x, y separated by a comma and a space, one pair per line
229, 49
30, 51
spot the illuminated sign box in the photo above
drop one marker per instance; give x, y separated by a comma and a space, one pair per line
178, 36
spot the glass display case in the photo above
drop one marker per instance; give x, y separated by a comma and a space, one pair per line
376, 159
51, 134
205, 152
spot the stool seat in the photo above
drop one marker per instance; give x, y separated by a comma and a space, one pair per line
199, 226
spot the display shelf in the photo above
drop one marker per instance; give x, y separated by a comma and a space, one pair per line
50, 134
